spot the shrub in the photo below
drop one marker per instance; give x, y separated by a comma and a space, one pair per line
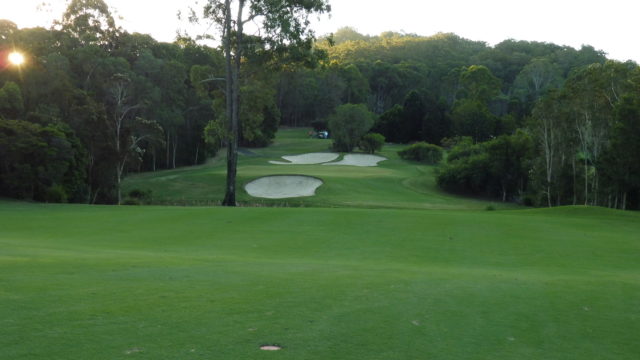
422, 152
371, 143
56, 194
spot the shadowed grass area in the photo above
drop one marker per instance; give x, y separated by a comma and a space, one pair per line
395, 183
82, 282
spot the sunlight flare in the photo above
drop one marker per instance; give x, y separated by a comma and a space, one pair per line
16, 58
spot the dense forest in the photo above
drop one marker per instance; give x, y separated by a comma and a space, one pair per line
536, 123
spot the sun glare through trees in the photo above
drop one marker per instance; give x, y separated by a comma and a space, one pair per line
16, 58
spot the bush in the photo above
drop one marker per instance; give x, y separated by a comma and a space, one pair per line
56, 194
348, 125
422, 152
371, 143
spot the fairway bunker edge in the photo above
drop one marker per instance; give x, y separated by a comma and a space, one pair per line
283, 186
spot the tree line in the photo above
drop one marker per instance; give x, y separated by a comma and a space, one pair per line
524, 121
530, 122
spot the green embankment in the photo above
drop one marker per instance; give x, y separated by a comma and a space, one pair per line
83, 282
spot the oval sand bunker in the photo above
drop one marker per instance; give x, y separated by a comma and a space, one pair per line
307, 159
359, 160
283, 186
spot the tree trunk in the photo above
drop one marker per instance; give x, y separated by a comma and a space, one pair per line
118, 179
233, 92
174, 151
575, 184
197, 153
596, 187
624, 201
95, 196
168, 154
586, 182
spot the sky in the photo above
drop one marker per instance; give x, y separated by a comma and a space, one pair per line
609, 25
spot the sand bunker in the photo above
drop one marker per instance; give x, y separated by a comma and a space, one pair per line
307, 159
283, 186
359, 160
270, 347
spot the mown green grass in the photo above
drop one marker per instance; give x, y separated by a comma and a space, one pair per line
395, 183
92, 282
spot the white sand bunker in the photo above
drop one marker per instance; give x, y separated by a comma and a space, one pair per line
359, 160
283, 186
307, 159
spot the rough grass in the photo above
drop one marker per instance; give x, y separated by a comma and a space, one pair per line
395, 183
81, 282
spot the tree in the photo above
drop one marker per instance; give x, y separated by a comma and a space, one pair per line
348, 125
509, 162
7, 31
537, 77
348, 33
436, 123
127, 130
545, 124
499, 167
414, 113
389, 124
356, 85
11, 103
372, 142
623, 154
479, 84
473, 118
90, 22
385, 82
283, 24
44, 163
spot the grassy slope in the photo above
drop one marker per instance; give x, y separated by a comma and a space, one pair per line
393, 184
79, 282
